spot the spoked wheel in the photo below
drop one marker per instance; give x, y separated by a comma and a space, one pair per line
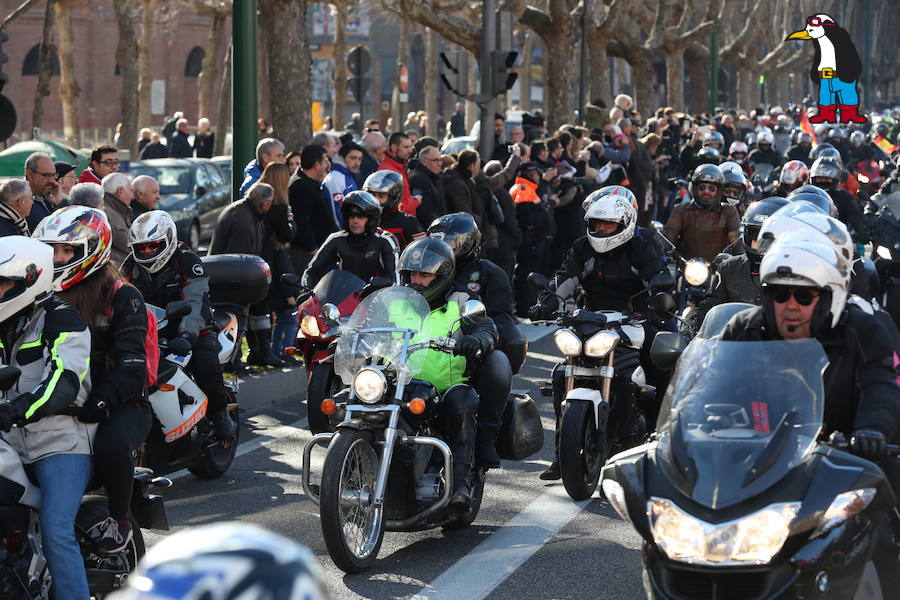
353, 527
580, 455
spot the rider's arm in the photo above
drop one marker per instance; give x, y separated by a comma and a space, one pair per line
390, 256
733, 225
674, 226
485, 331
126, 372
568, 278
195, 290
879, 405
325, 258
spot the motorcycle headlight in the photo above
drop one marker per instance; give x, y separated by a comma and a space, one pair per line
369, 385
845, 506
884, 252
696, 272
750, 540
567, 342
600, 344
309, 325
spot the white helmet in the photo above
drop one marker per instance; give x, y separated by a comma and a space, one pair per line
797, 262
28, 263
154, 227
612, 203
765, 137
87, 229
802, 220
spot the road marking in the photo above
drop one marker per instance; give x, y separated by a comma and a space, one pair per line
479, 572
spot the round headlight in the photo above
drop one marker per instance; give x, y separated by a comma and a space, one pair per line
600, 344
567, 342
696, 272
309, 325
369, 385
884, 252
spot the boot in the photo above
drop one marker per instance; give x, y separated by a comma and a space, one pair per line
459, 421
826, 114
849, 114
486, 445
461, 498
224, 427
261, 349
253, 354
552, 473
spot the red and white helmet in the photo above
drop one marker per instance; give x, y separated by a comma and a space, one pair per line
738, 148
88, 231
794, 173
615, 204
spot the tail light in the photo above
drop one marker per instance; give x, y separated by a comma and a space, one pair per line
265, 268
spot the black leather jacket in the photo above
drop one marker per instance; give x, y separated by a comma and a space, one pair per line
487, 282
364, 255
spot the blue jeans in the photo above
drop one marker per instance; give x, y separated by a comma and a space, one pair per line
835, 91
285, 333
62, 479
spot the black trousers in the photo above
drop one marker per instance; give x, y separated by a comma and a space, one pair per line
207, 371
458, 409
116, 440
530, 258
492, 380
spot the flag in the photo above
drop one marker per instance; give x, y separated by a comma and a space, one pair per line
885, 145
807, 127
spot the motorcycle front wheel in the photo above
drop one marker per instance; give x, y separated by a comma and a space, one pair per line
320, 386
353, 527
581, 456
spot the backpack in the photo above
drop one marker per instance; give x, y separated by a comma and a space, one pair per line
151, 341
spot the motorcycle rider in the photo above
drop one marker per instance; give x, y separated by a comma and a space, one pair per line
166, 270
826, 174
816, 196
387, 187
705, 225
800, 150
609, 265
49, 341
735, 189
83, 276
428, 266
737, 152
765, 150
793, 174
693, 155
361, 247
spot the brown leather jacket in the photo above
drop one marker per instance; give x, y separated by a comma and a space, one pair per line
703, 232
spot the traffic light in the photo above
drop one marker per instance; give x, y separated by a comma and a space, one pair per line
455, 74
3, 59
502, 75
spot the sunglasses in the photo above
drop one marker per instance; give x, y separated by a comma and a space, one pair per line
109, 162
815, 21
781, 294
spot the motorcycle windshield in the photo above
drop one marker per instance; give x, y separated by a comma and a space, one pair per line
718, 316
336, 285
738, 416
761, 173
374, 335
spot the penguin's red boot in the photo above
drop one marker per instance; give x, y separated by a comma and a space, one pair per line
827, 114
849, 114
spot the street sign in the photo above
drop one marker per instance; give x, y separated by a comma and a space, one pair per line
404, 79
359, 86
404, 97
359, 61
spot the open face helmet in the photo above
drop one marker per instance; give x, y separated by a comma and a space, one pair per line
87, 231
738, 151
713, 139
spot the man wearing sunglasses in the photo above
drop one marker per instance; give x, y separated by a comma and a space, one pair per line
104, 160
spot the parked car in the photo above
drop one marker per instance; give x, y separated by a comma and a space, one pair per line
193, 191
224, 162
458, 144
12, 160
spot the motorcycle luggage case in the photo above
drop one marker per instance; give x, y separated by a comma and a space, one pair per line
522, 433
241, 279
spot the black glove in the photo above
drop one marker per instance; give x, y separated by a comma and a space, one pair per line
11, 413
95, 410
468, 346
868, 443
541, 312
180, 346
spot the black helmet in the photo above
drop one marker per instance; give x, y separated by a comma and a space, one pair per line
804, 137
462, 233
735, 188
825, 168
707, 174
753, 219
815, 196
713, 137
881, 128
825, 150
361, 204
708, 156
429, 255
385, 182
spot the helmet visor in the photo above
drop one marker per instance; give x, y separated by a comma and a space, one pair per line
600, 228
146, 251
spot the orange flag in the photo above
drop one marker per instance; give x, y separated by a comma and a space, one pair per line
806, 126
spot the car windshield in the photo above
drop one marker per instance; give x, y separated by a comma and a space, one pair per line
738, 416
172, 179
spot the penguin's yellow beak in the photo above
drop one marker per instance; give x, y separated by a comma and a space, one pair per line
799, 35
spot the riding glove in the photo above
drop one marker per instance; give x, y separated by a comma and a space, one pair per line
868, 443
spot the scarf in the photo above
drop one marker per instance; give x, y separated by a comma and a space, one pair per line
20, 223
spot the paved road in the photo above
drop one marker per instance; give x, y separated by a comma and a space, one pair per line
529, 541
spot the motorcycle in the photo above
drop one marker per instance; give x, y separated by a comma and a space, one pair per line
737, 497
762, 179
23, 564
886, 253
868, 174
599, 347
387, 467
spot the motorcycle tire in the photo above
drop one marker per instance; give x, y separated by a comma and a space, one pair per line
351, 469
93, 511
216, 460
580, 458
321, 384
468, 517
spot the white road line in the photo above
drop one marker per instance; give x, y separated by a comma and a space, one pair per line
484, 568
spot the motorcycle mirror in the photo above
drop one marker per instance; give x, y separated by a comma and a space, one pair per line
666, 349
720, 258
538, 280
663, 304
473, 310
177, 309
657, 226
8, 377
331, 314
662, 281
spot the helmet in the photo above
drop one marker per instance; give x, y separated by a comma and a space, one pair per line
765, 137
707, 174
752, 221
804, 137
362, 204
826, 151
708, 156
28, 263
835, 133
825, 168
714, 137
227, 560
797, 262
88, 231
737, 148
735, 187
158, 228
429, 255
385, 182
793, 174
816, 196
857, 139
804, 220
615, 204
461, 232
881, 128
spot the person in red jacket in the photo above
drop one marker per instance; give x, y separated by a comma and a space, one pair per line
400, 148
104, 160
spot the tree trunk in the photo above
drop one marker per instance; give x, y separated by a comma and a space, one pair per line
207, 79
44, 72
284, 26
525, 70
697, 64
646, 98
127, 57
431, 81
144, 65
559, 79
471, 108
341, 73
223, 121
264, 103
675, 79
68, 86
748, 88
599, 69
398, 109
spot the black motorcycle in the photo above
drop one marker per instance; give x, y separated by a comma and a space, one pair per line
886, 254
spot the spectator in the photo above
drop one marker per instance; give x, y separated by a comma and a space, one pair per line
146, 195
144, 138
104, 160
413, 135
355, 123
15, 206
327, 124
639, 169
40, 173
340, 180
293, 161
534, 221
411, 121
87, 194
310, 205
328, 142
372, 125
155, 149
170, 126
421, 143
65, 175
262, 129
117, 196
501, 152
460, 190
239, 228
509, 236
267, 150
622, 108
458, 121
180, 147
596, 114
117, 135
395, 159
426, 181
204, 139
375, 146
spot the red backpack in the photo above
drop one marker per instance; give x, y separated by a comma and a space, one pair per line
151, 341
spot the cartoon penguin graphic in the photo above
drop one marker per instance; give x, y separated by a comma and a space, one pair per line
835, 68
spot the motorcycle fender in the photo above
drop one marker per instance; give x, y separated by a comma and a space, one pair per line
357, 424
627, 469
601, 407
319, 354
148, 509
177, 418
843, 551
